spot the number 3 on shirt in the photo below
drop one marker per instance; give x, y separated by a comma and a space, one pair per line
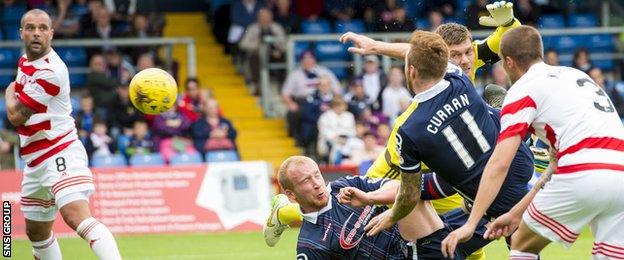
598, 104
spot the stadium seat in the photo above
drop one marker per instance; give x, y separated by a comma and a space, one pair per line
551, 21
222, 156
598, 42
315, 27
350, 26
13, 14
115, 160
565, 43
604, 64
185, 159
455, 19
77, 79
583, 20
5, 80
300, 47
73, 56
331, 50
8, 58
153, 159
422, 23
341, 73
11, 32
2, 107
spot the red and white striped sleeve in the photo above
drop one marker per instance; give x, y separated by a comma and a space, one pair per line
519, 111
36, 94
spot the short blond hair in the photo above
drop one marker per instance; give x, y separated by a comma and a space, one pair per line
453, 33
282, 174
429, 54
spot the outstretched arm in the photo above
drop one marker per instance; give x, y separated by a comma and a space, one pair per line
355, 197
508, 223
364, 45
408, 197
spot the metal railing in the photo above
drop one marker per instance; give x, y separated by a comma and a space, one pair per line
387, 62
167, 43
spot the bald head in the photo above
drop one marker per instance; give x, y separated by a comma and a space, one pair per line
524, 45
285, 168
35, 13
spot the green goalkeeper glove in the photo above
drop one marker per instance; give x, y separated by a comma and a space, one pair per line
501, 13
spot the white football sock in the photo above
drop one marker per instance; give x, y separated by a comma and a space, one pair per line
517, 255
100, 239
47, 249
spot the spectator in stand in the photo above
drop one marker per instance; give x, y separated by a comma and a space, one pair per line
615, 92
242, 14
137, 141
121, 10
380, 14
374, 81
372, 119
66, 24
340, 10
190, 104
88, 21
316, 104
118, 68
145, 61
394, 93
344, 147
284, 15
400, 23
552, 57
300, 84
435, 19
308, 9
213, 131
100, 143
85, 118
140, 29
500, 76
250, 44
474, 11
102, 29
125, 114
581, 60
170, 134
383, 133
99, 83
527, 12
445, 7
356, 98
80, 8
334, 122
370, 152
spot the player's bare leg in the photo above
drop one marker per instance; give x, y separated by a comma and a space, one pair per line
526, 244
44, 243
77, 216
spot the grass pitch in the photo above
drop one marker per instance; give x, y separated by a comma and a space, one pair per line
223, 246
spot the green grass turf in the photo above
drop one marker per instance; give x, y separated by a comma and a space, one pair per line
246, 246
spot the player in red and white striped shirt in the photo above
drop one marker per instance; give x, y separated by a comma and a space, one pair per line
56, 176
571, 113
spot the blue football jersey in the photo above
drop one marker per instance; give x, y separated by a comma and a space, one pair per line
337, 231
454, 132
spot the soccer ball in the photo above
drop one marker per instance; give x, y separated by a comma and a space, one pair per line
153, 91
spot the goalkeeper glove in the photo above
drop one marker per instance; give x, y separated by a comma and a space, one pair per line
501, 13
